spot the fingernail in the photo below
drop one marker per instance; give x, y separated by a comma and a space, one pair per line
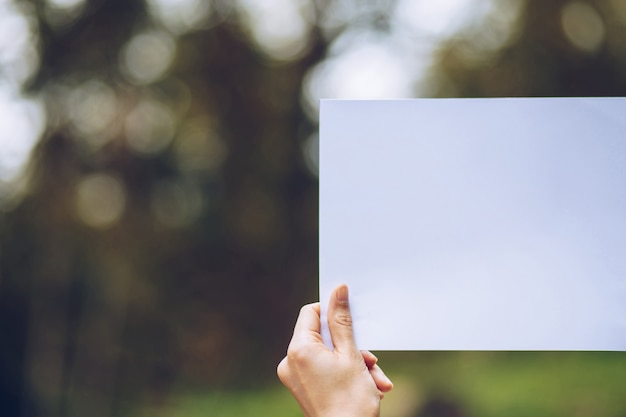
342, 294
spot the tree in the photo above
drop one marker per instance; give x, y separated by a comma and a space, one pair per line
168, 233
169, 229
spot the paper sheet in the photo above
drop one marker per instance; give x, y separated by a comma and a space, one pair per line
476, 224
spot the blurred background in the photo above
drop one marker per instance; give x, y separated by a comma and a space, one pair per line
159, 200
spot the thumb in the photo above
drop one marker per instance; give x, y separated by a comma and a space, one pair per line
340, 320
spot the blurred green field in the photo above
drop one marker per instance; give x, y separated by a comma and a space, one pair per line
485, 384
512, 384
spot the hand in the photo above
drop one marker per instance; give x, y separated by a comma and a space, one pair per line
341, 383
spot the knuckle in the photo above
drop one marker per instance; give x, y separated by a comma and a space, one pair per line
310, 306
298, 354
282, 370
343, 319
304, 308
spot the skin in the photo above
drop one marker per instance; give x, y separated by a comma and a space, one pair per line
344, 382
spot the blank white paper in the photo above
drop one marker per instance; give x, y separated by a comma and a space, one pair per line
476, 224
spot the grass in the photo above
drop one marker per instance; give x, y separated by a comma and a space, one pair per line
481, 384
518, 384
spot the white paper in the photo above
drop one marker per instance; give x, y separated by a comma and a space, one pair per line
476, 224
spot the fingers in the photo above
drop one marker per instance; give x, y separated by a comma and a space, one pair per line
321, 379
369, 358
282, 370
383, 383
340, 320
308, 323
306, 333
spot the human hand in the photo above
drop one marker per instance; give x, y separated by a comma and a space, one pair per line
341, 383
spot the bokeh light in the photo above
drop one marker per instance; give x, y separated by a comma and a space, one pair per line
279, 27
92, 110
150, 127
147, 56
180, 16
484, 38
19, 56
583, 26
100, 200
166, 192
21, 123
198, 148
366, 66
366, 69
61, 13
619, 9
439, 19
